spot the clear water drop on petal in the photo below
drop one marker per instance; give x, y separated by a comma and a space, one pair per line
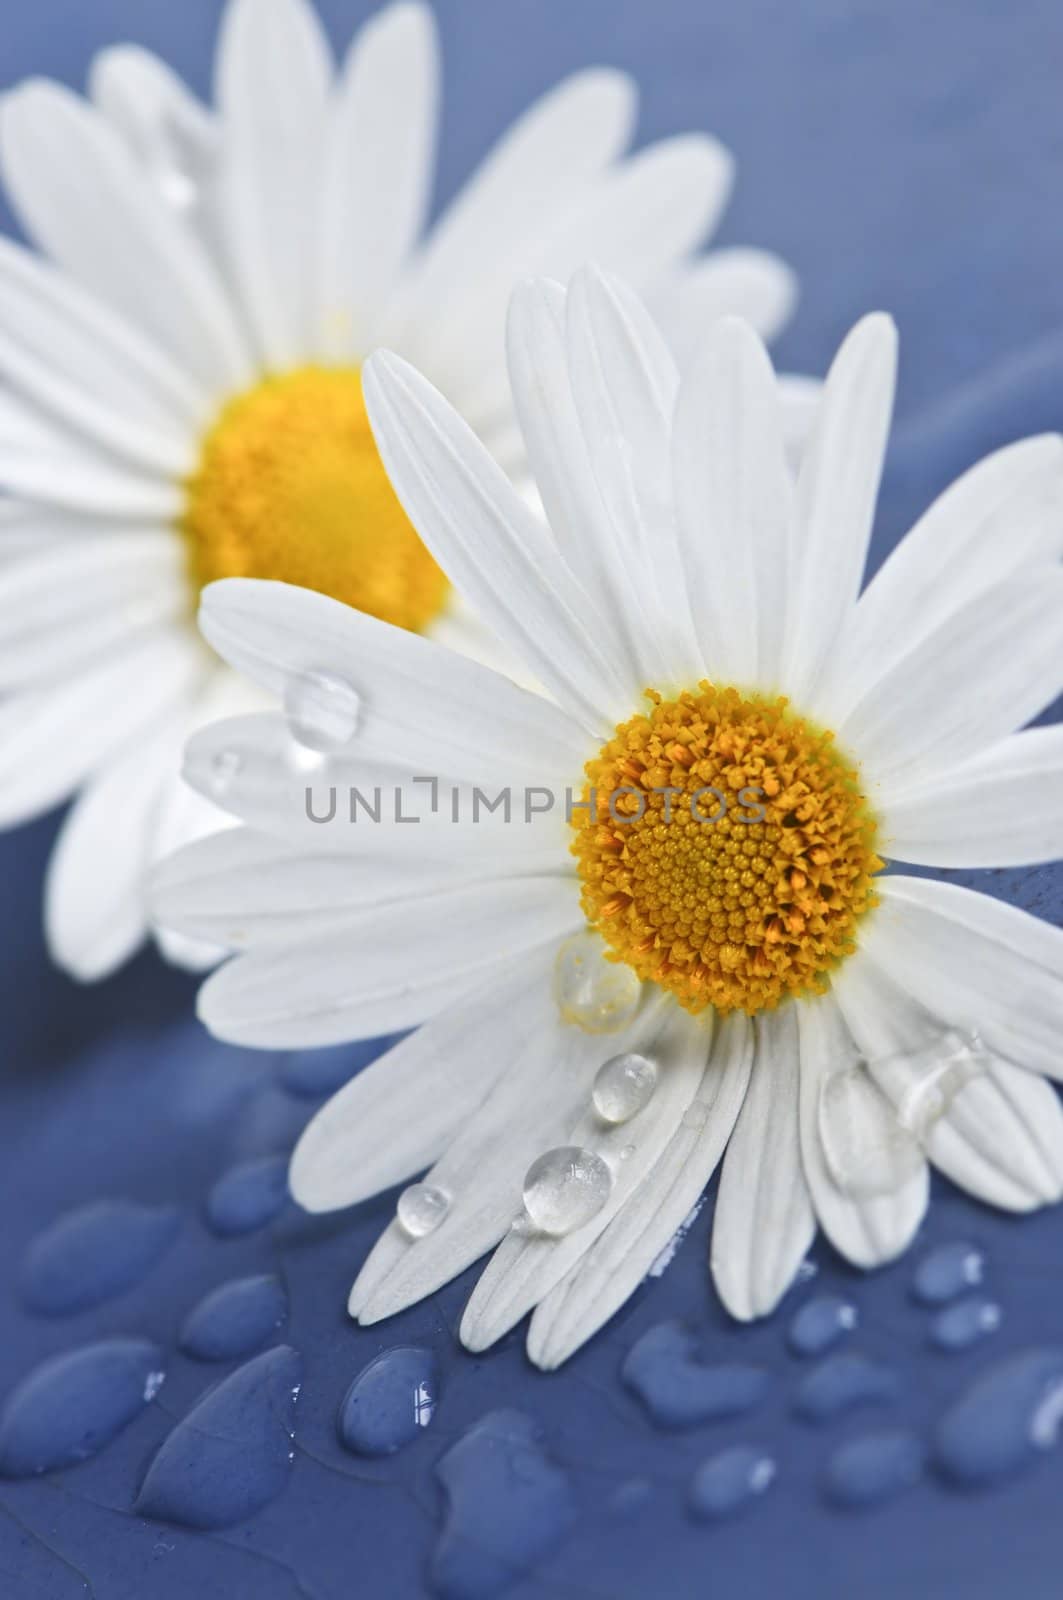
596, 995
866, 1149
624, 1086
421, 1208
322, 709
934, 1076
565, 1188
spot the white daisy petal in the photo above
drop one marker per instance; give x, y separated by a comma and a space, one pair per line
1002, 809
162, 123
836, 492
977, 962
734, 504
71, 603
421, 705
491, 544
378, 173
52, 739
868, 1180
752, 284
274, 74
79, 193
1000, 517
764, 1221
382, 1127
616, 1263
984, 672
95, 909
384, 968
527, 1265
799, 397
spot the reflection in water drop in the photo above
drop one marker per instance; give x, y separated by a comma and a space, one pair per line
928, 1080
1001, 1425
729, 1482
624, 1086
947, 1272
866, 1150
965, 1323
869, 1470
820, 1323
390, 1401
565, 1188
594, 994
74, 1404
421, 1208
322, 710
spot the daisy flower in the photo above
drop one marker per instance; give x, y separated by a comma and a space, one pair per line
182, 398
693, 957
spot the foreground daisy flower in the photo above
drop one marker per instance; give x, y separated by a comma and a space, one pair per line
706, 964
182, 398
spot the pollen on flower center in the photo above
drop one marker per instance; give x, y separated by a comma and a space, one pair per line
728, 852
289, 485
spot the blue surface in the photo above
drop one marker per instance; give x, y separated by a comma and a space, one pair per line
899, 155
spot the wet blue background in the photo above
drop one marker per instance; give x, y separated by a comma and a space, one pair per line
900, 155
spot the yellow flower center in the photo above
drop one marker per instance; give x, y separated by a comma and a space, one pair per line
727, 853
290, 485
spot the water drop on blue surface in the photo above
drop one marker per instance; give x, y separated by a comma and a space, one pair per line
729, 1482
248, 1196
820, 1323
874, 1468
842, 1382
233, 1451
947, 1272
508, 1507
234, 1319
1007, 1418
959, 1326
94, 1253
390, 1401
666, 1370
72, 1405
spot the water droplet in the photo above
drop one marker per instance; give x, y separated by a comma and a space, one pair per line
390, 1401
948, 1272
225, 768
866, 1150
234, 1319
696, 1115
248, 1196
233, 1451
842, 1382
624, 1086
729, 1482
421, 1208
965, 1323
74, 1404
820, 1323
565, 1188
596, 995
94, 1253
508, 1508
869, 1470
666, 1369
322, 710
1001, 1425
927, 1081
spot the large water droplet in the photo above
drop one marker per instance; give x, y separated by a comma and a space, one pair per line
93, 1253
869, 1470
930, 1078
564, 1188
322, 710
69, 1407
596, 995
1005, 1420
948, 1272
842, 1382
421, 1208
729, 1482
232, 1453
248, 1196
961, 1325
390, 1401
624, 1086
234, 1319
667, 1370
866, 1150
508, 1508
820, 1323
